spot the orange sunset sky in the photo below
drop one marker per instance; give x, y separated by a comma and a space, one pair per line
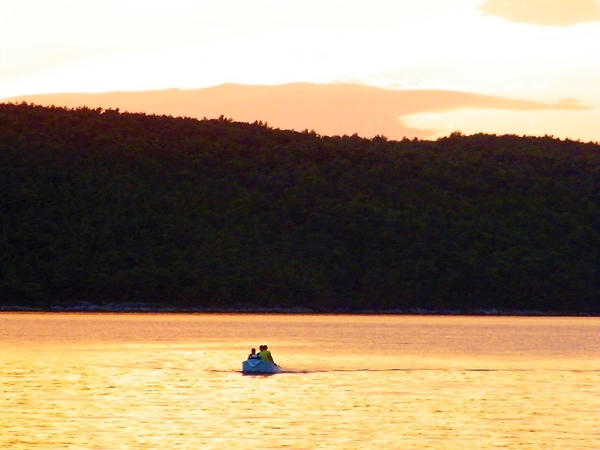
414, 68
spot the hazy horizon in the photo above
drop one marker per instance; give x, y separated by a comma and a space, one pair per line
334, 109
539, 53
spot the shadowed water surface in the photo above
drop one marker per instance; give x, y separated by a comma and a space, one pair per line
101, 381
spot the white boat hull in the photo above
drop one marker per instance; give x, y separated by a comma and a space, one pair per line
259, 366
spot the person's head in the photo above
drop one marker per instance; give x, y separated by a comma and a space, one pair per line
253, 351
262, 347
265, 347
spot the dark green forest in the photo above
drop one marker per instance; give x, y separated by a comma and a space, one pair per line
105, 208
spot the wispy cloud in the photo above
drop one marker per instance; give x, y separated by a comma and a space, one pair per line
560, 13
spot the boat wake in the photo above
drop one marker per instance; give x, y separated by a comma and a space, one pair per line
285, 371
429, 369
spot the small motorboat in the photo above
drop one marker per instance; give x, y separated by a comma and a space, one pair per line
258, 366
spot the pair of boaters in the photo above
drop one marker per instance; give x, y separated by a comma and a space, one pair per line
264, 354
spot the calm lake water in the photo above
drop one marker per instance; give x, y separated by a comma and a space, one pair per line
102, 381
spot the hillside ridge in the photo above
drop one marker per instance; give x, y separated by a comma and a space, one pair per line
110, 209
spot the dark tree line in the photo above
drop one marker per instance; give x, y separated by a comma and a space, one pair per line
112, 207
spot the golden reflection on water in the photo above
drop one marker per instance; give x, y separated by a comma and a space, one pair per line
173, 382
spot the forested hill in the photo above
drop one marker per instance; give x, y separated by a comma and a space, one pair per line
112, 209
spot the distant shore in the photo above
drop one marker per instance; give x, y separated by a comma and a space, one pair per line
85, 307
117, 212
